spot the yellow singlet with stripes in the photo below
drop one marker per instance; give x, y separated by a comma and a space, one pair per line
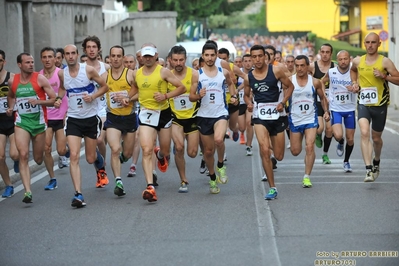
120, 86
373, 90
150, 84
181, 106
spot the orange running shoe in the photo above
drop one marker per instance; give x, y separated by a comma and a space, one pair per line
102, 179
162, 163
150, 194
242, 139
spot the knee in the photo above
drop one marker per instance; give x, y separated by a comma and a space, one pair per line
219, 141
192, 153
295, 150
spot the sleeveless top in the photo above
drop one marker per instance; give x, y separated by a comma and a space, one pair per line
120, 86
303, 108
102, 103
4, 89
374, 91
181, 106
319, 75
76, 88
213, 104
340, 99
28, 113
148, 85
267, 95
52, 112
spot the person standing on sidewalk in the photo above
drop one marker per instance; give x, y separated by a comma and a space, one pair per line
6, 129
370, 75
28, 94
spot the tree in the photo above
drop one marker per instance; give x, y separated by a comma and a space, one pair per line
192, 9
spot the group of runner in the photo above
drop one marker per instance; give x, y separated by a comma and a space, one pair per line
193, 107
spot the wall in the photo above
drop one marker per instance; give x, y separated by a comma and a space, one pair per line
370, 9
308, 15
28, 26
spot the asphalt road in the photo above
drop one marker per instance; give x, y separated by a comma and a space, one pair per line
340, 220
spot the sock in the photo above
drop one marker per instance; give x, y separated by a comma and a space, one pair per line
220, 164
376, 163
150, 185
341, 141
213, 177
327, 143
348, 152
118, 178
306, 176
369, 167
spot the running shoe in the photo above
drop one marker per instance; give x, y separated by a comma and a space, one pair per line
78, 201
376, 171
369, 176
347, 167
319, 141
306, 182
274, 162
213, 187
16, 167
227, 135
102, 179
340, 149
122, 158
162, 162
222, 176
62, 162
132, 171
272, 194
202, 168
154, 178
52, 184
183, 187
99, 163
225, 157
249, 151
242, 139
325, 159
264, 178
68, 153
8, 192
27, 197
118, 190
289, 145
236, 136
150, 194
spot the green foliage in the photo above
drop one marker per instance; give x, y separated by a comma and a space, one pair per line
338, 46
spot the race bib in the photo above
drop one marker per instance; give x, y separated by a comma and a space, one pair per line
303, 107
368, 95
343, 97
113, 104
149, 117
76, 100
182, 102
25, 107
268, 111
3, 104
241, 96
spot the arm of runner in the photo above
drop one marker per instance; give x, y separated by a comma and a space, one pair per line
354, 75
237, 72
231, 87
324, 103
61, 90
167, 75
286, 81
133, 95
247, 94
92, 74
196, 93
10, 97
392, 74
226, 66
43, 82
